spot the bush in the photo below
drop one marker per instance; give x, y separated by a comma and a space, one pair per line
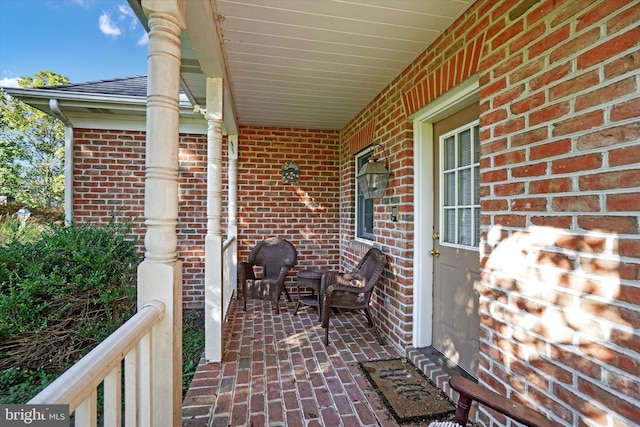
11, 229
192, 345
38, 214
19, 386
60, 296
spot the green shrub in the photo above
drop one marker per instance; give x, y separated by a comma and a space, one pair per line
61, 295
11, 230
192, 345
38, 214
21, 385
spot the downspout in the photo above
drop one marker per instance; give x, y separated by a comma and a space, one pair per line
54, 105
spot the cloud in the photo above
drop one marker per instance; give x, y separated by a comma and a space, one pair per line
8, 82
108, 27
125, 12
117, 26
143, 40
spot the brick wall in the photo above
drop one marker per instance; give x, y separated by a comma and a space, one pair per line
306, 213
560, 297
109, 183
109, 177
560, 194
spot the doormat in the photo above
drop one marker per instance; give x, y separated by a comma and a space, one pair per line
406, 392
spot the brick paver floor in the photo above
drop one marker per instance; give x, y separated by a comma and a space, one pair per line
278, 372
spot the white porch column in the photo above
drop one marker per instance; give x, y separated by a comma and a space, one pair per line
214, 304
160, 274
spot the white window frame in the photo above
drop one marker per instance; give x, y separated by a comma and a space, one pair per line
474, 205
362, 205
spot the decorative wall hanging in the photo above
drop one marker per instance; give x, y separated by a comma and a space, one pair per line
290, 173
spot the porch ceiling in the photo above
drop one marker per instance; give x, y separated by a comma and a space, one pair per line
305, 63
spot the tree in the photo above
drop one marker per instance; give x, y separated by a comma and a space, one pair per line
31, 147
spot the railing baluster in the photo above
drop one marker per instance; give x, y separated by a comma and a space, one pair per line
131, 388
77, 387
144, 369
113, 398
86, 412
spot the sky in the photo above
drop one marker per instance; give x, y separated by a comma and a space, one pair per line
84, 40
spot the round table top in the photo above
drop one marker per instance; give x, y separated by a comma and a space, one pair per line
311, 273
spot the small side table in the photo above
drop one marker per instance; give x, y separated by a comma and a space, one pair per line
310, 278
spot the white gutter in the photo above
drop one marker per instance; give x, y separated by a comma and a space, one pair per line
68, 159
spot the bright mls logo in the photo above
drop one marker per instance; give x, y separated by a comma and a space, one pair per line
34, 415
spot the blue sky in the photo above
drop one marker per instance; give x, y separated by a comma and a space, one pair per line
84, 40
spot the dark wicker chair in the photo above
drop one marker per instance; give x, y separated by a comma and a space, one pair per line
276, 257
352, 291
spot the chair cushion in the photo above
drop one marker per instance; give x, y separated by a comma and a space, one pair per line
358, 280
352, 279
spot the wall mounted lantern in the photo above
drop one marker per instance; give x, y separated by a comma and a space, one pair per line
290, 173
373, 178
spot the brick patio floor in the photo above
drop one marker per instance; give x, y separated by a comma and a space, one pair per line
278, 372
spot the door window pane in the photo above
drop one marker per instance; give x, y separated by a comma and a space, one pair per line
449, 224
476, 177
450, 153
465, 228
465, 152
476, 144
450, 189
464, 187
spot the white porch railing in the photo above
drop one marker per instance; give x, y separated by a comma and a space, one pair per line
78, 386
229, 272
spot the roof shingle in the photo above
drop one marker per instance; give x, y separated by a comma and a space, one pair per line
127, 86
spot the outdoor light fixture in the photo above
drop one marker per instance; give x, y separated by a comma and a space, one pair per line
373, 178
23, 215
394, 214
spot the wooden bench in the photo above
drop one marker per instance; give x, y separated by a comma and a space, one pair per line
470, 391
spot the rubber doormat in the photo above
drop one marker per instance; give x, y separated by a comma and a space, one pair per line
406, 392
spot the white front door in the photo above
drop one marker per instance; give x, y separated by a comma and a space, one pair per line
456, 216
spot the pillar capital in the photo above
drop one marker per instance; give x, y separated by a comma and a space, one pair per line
174, 8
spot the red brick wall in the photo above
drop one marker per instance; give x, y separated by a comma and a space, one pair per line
109, 183
307, 213
192, 217
560, 135
560, 101
108, 178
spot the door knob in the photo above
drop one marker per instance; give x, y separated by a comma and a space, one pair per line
435, 252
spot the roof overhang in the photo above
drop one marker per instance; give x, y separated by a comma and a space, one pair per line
303, 64
85, 109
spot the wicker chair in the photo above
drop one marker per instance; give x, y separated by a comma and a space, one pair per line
352, 291
276, 257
